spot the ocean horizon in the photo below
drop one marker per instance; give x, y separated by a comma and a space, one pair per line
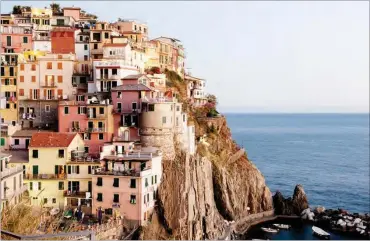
328, 153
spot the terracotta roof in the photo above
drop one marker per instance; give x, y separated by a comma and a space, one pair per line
115, 45
51, 139
133, 77
137, 87
26, 133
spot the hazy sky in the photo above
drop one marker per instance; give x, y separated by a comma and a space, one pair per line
262, 56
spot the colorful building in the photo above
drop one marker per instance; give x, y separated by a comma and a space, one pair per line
15, 39
126, 184
127, 100
195, 90
44, 79
100, 34
63, 40
11, 182
46, 172
92, 118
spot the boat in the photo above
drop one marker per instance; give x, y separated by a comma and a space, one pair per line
270, 230
282, 226
321, 233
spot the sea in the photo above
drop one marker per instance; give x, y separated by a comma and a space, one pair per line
327, 153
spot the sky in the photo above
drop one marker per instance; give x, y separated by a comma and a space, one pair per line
291, 56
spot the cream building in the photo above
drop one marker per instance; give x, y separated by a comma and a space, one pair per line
48, 168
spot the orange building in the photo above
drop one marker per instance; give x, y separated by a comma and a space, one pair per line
62, 40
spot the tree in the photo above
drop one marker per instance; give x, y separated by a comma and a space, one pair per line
17, 9
212, 99
55, 7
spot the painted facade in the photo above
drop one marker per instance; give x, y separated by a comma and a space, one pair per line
129, 187
11, 182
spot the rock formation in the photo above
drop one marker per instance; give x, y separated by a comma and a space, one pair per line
199, 192
291, 206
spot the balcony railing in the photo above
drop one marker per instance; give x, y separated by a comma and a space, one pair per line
45, 176
9, 63
12, 45
10, 171
95, 116
49, 85
75, 129
42, 38
103, 129
131, 173
69, 193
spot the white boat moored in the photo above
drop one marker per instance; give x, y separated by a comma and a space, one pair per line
320, 232
270, 230
282, 226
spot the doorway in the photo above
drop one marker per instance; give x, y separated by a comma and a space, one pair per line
27, 143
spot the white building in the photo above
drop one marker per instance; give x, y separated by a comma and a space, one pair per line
12, 186
196, 90
108, 74
82, 46
62, 21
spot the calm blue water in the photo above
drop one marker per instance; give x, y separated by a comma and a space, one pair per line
327, 153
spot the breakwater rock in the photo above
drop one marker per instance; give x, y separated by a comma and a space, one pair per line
292, 205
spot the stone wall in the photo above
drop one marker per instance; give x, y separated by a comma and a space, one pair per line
160, 138
42, 116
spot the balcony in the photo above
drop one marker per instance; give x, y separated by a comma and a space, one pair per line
127, 124
77, 194
9, 63
12, 45
42, 38
129, 173
45, 176
10, 194
96, 130
108, 77
82, 157
11, 171
11, 99
75, 129
49, 85
95, 116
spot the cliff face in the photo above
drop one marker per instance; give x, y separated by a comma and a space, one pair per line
199, 192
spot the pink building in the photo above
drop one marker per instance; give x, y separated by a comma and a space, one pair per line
15, 39
72, 12
92, 118
126, 185
126, 100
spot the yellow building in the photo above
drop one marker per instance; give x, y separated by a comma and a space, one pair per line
151, 55
8, 87
46, 173
41, 16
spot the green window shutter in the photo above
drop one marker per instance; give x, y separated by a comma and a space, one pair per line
69, 169
78, 169
56, 169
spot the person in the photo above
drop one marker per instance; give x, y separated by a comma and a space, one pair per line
99, 214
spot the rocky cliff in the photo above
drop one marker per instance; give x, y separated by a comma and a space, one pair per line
199, 192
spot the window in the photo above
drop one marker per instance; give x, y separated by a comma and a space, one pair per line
33, 67
45, 200
49, 65
95, 46
54, 200
116, 182
119, 95
134, 105
22, 67
114, 72
101, 136
133, 199
61, 153
86, 149
99, 182
33, 78
101, 110
85, 47
155, 179
151, 107
7, 106
154, 196
133, 183
177, 121
66, 110
31, 186
47, 108
106, 35
163, 120
146, 182
100, 197
178, 108
60, 78
81, 110
61, 185
80, 98
183, 118
16, 142
86, 58
39, 185
35, 153
25, 40
116, 198
73, 169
